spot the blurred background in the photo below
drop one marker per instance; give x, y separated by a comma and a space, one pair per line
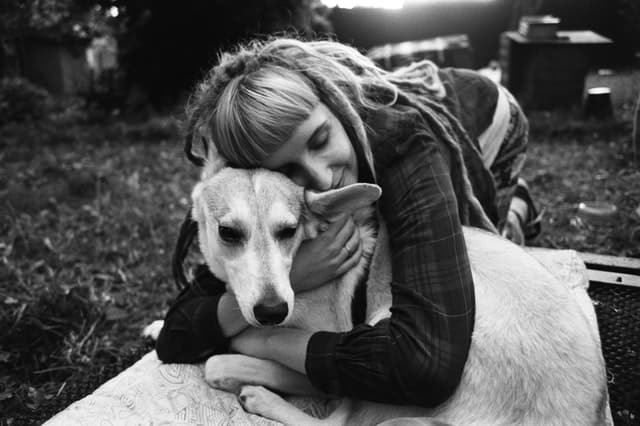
129, 53
94, 185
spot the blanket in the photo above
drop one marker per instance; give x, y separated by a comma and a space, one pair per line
150, 392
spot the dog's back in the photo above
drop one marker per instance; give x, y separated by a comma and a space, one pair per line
535, 356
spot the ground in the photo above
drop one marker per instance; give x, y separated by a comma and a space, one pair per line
89, 213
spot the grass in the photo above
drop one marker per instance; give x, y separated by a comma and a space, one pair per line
87, 222
89, 213
572, 160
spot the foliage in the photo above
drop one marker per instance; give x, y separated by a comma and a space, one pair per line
50, 18
628, 13
572, 162
88, 215
21, 100
166, 48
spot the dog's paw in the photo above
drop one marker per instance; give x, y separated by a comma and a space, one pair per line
261, 401
227, 372
152, 331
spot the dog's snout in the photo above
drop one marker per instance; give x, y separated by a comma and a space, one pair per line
271, 314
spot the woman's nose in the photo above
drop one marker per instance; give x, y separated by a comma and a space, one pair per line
317, 175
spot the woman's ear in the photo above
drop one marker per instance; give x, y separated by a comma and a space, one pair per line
342, 200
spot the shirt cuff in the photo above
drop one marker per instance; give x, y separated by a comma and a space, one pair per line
320, 362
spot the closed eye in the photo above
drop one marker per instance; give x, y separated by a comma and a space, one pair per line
320, 137
230, 235
318, 143
286, 233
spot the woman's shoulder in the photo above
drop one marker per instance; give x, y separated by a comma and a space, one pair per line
393, 130
464, 80
471, 97
393, 122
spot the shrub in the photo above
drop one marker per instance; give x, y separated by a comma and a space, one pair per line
21, 100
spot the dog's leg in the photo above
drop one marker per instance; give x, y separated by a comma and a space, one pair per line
231, 372
261, 401
152, 331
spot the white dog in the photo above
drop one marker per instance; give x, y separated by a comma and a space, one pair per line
535, 357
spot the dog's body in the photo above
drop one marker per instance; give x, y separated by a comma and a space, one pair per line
535, 354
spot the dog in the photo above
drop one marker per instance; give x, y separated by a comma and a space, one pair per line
535, 356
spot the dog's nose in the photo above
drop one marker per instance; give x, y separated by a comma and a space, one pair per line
271, 314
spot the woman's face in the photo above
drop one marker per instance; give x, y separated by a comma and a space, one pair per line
318, 155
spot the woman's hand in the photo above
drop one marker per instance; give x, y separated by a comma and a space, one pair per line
328, 256
513, 229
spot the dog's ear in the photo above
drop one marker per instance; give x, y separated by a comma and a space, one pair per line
342, 200
197, 211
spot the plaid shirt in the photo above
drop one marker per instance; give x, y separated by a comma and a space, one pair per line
417, 355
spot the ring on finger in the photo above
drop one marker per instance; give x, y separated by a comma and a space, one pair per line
346, 246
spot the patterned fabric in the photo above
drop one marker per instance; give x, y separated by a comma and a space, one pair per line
508, 163
153, 393
473, 100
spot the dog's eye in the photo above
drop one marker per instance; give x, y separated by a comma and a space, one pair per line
286, 233
229, 235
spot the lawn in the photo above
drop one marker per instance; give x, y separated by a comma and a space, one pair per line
89, 213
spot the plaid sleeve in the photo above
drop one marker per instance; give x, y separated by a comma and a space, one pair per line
417, 356
191, 331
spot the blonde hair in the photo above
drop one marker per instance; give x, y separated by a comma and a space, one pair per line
252, 101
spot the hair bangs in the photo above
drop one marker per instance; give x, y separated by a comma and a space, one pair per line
259, 112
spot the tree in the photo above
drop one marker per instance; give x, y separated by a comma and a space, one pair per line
167, 46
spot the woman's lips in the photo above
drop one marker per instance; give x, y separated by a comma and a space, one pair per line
340, 182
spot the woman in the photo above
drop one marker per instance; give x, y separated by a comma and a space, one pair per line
446, 146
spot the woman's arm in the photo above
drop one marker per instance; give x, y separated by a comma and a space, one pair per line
200, 321
418, 355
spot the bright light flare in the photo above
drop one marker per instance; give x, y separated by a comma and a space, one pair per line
377, 4
390, 4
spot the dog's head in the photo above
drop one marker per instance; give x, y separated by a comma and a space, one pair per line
250, 224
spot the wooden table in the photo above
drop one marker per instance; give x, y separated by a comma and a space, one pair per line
549, 73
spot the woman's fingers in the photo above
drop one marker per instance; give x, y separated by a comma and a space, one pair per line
350, 247
341, 247
353, 243
341, 228
345, 233
351, 261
